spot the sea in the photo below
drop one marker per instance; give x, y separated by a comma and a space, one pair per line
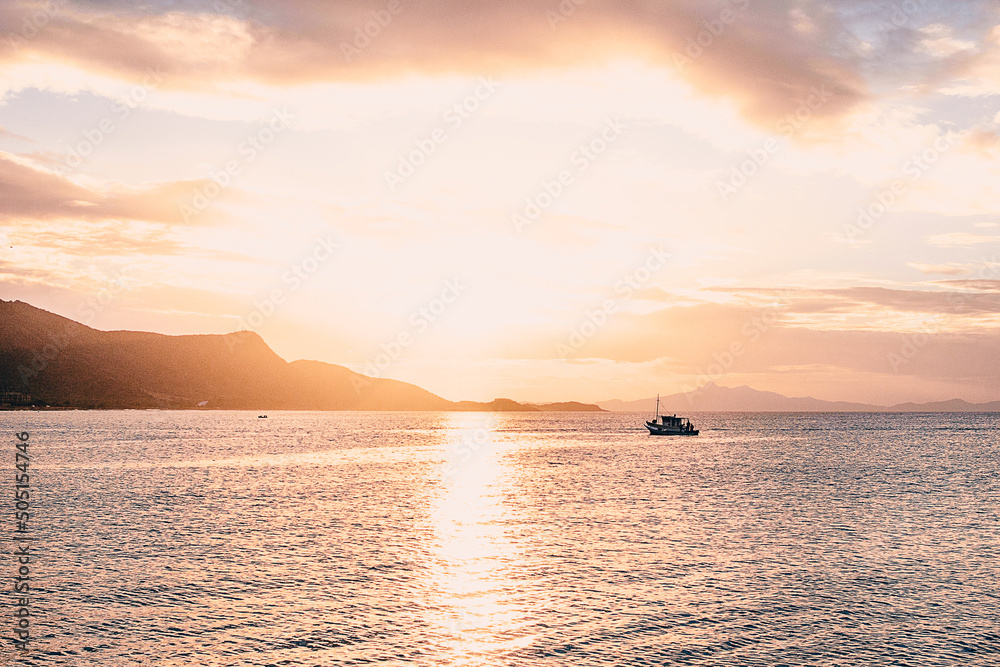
404, 538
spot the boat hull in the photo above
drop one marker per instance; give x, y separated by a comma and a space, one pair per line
658, 429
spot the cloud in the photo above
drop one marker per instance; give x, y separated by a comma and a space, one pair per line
767, 57
965, 298
7, 134
701, 340
13, 272
986, 141
30, 193
982, 285
939, 41
922, 301
105, 238
960, 240
940, 269
976, 70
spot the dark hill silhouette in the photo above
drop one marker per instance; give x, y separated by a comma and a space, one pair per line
568, 406
62, 363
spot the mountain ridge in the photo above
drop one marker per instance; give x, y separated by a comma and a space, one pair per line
714, 398
52, 360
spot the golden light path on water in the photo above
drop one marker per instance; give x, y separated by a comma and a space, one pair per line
473, 554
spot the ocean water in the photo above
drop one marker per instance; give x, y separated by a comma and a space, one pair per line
217, 538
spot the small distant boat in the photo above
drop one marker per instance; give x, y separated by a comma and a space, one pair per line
670, 425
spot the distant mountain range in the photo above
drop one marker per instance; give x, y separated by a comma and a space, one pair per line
713, 398
46, 359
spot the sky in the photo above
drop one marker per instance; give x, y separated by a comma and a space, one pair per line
542, 201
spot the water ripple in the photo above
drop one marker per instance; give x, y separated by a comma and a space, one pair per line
177, 538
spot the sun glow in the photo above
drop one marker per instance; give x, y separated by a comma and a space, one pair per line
476, 608
422, 154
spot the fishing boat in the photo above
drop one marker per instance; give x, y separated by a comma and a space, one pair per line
670, 424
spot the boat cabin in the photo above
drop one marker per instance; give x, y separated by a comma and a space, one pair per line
678, 422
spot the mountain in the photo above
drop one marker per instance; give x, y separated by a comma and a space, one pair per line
570, 406
51, 360
954, 405
713, 398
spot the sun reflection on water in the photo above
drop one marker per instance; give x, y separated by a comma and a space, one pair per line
473, 554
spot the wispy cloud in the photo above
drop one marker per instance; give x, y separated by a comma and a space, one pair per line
960, 240
30, 193
939, 269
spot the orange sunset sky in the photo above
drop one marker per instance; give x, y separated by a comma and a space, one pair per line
538, 200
